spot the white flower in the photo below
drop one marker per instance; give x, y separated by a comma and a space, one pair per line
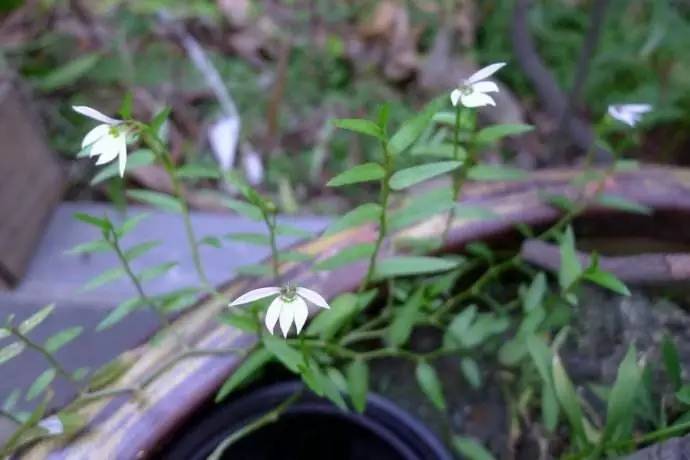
53, 425
629, 114
472, 91
289, 305
107, 140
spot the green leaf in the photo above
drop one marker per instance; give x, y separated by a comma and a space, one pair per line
623, 204
671, 357
198, 171
621, 401
140, 249
10, 351
321, 383
495, 132
102, 223
567, 396
421, 207
158, 200
257, 239
363, 213
11, 400
442, 150
125, 109
560, 201
459, 326
90, 247
212, 241
496, 173
119, 313
62, 338
135, 160
430, 384
361, 173
343, 308
409, 131
410, 176
4, 332
683, 394
412, 265
404, 319
131, 224
156, 271
159, 119
471, 449
109, 373
249, 367
346, 256
37, 318
359, 125
107, 276
534, 296
290, 357
240, 319
549, 408
40, 384
470, 369
68, 73
570, 269
245, 209
358, 383
542, 358
607, 280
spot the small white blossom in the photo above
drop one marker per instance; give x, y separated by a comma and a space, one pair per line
472, 91
53, 425
629, 114
107, 140
289, 306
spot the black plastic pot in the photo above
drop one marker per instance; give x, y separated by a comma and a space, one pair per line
312, 428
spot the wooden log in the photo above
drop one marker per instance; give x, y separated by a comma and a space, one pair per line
122, 428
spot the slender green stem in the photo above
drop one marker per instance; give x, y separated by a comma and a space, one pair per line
383, 217
266, 419
270, 220
47, 355
94, 395
458, 176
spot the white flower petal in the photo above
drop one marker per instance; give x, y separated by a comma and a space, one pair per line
273, 313
301, 313
638, 108
287, 314
122, 153
485, 87
255, 294
52, 424
485, 72
95, 114
476, 99
313, 297
106, 148
95, 134
455, 96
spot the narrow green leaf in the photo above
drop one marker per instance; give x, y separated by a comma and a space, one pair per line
430, 384
62, 338
567, 396
40, 384
158, 200
441, 150
412, 265
249, 367
346, 256
671, 358
257, 239
459, 326
198, 171
125, 110
366, 212
534, 296
683, 394
290, 357
89, 248
361, 173
559, 201
68, 74
135, 160
404, 319
11, 400
421, 207
621, 405
109, 373
119, 313
570, 269
623, 204
359, 125
409, 131
607, 280
495, 132
140, 249
496, 173
102, 223
471, 449
470, 369
10, 351
358, 383
159, 119
411, 176
245, 209
156, 271
4, 332
107, 276
212, 241
549, 408
131, 224
37, 318
343, 309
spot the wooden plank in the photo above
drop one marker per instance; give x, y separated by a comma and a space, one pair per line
32, 181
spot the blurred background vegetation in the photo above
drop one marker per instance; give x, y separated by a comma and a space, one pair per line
290, 66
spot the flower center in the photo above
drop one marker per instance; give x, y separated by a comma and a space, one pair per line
466, 89
114, 131
288, 292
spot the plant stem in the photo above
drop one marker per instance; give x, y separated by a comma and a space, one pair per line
458, 176
47, 355
190, 353
383, 224
266, 419
270, 220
